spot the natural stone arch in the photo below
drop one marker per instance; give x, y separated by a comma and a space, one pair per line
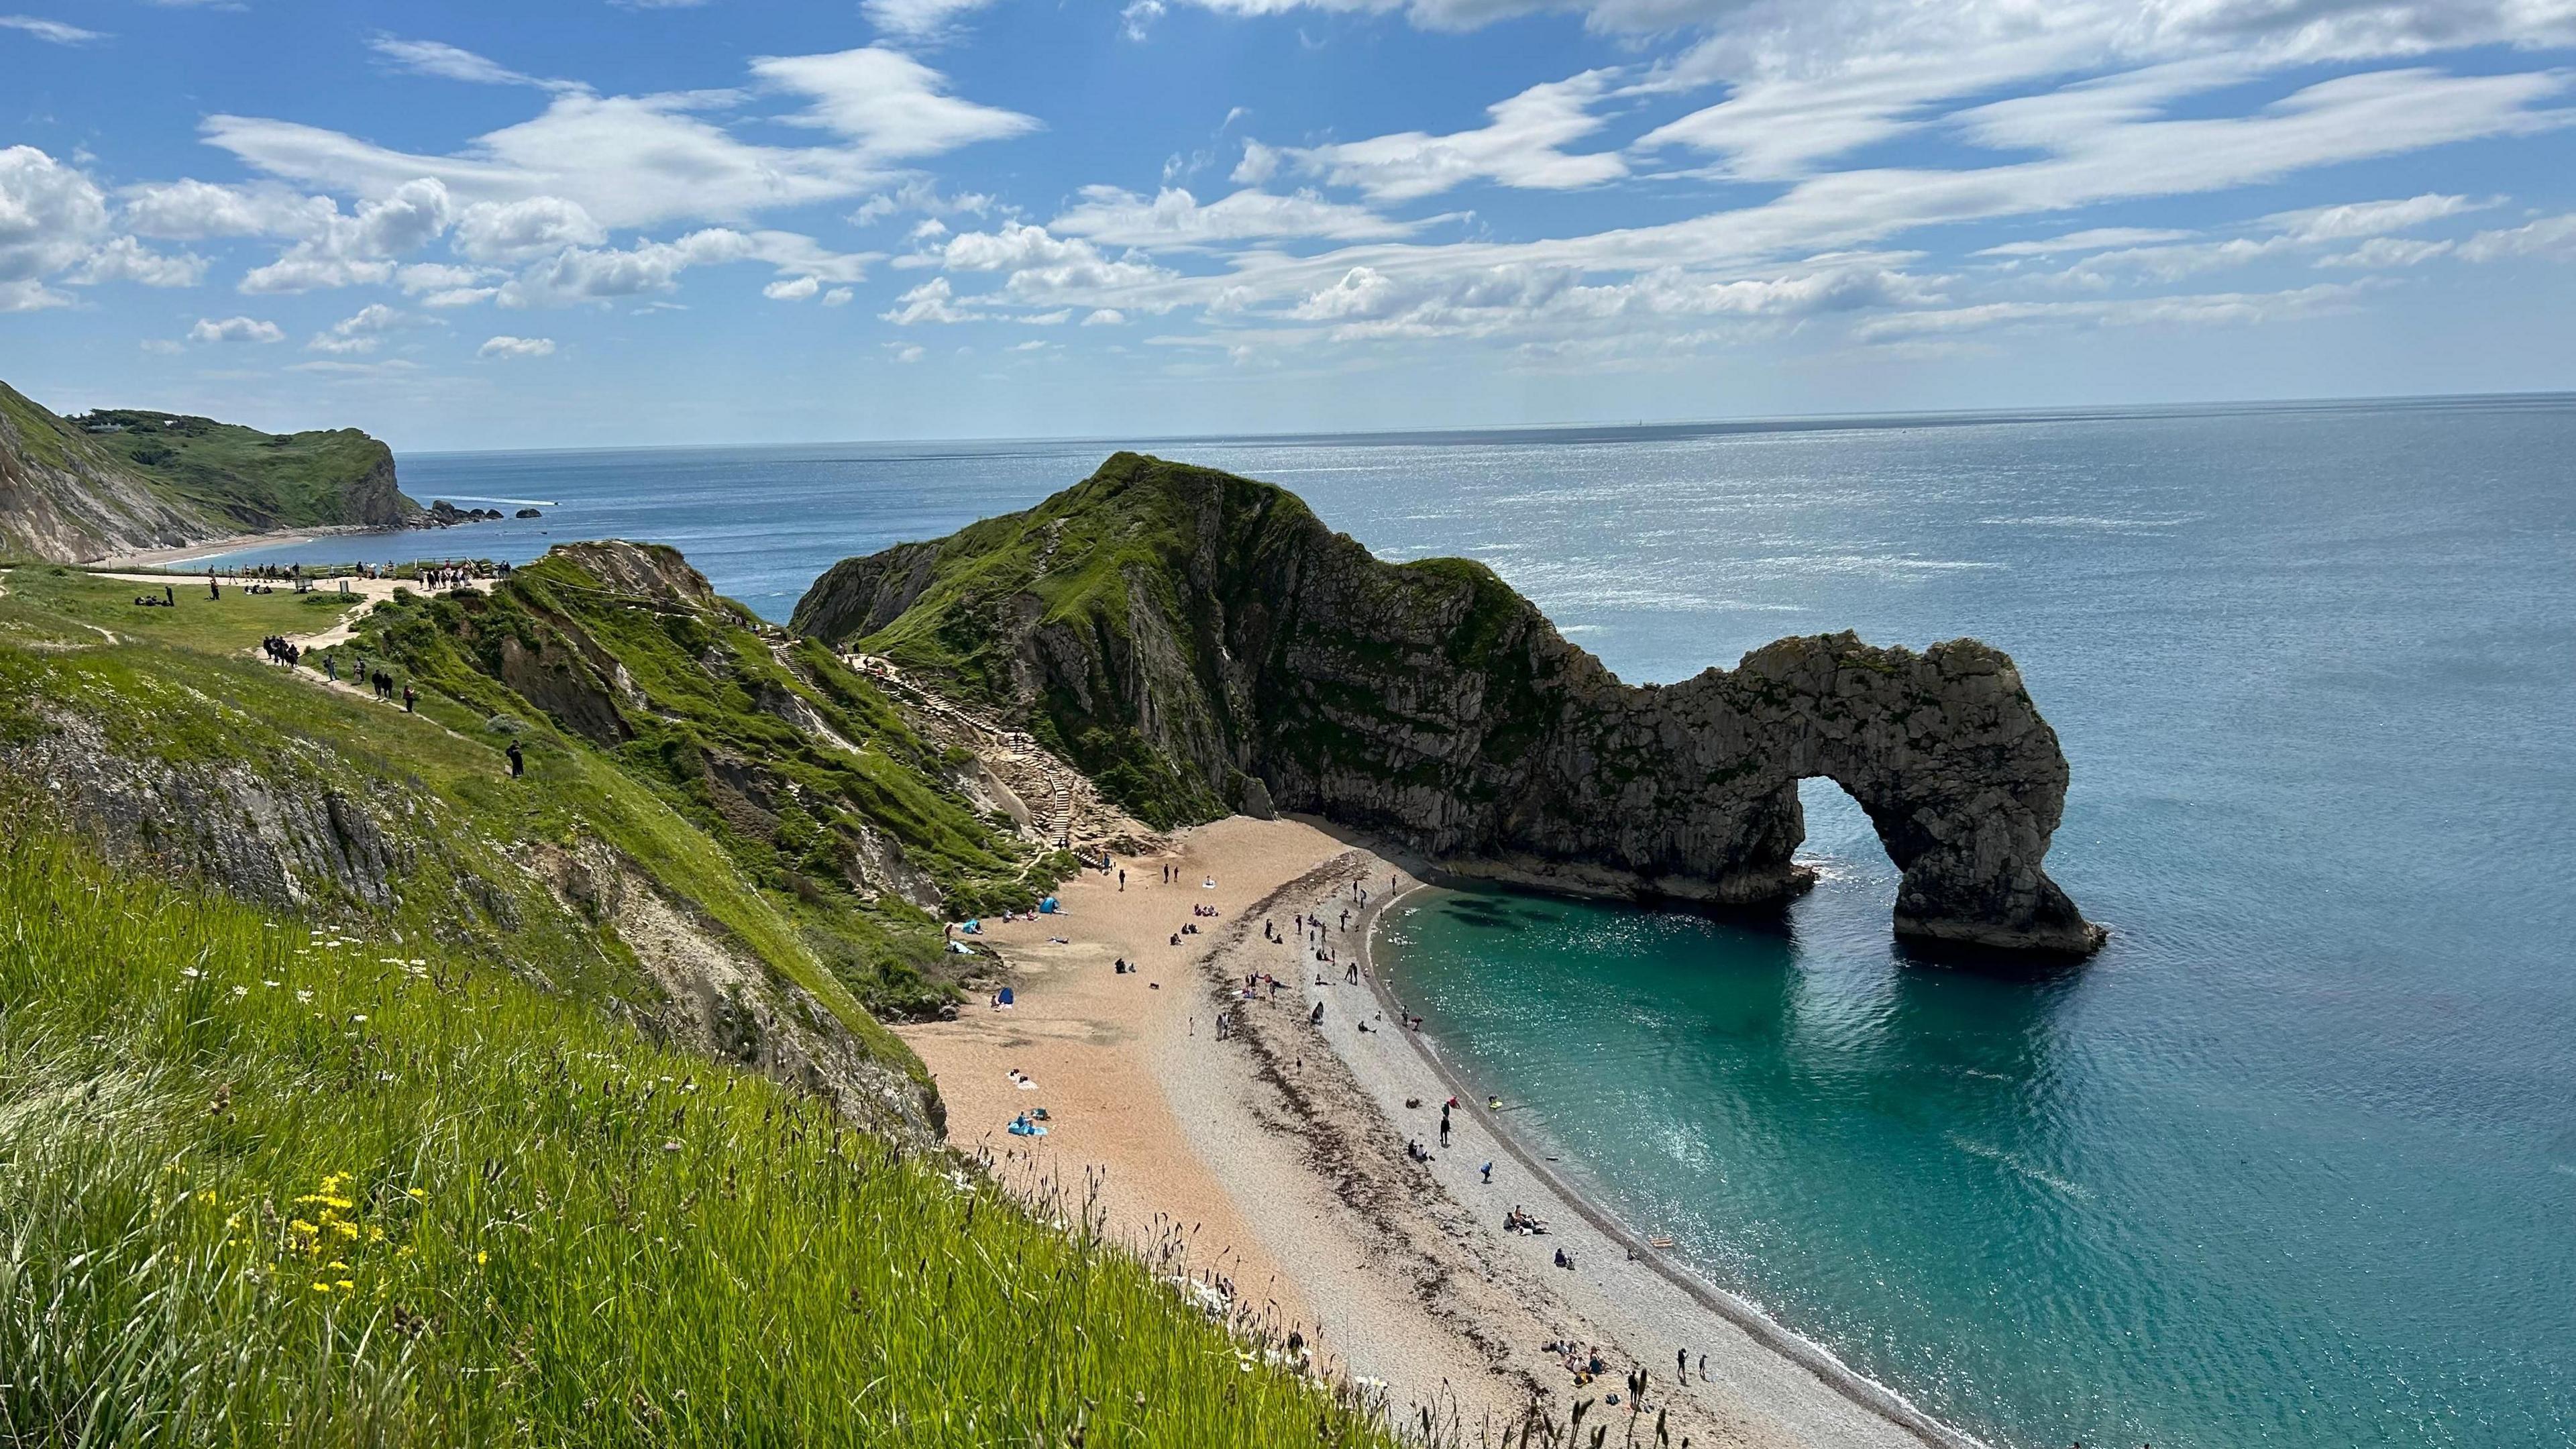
1241, 653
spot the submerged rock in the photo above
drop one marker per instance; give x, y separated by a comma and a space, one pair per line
1201, 642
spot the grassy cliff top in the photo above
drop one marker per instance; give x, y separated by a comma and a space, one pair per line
229, 470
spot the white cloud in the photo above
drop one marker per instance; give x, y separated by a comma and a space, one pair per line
583, 274
2367, 218
448, 62
497, 231
1136, 20
1175, 218
51, 216
932, 301
839, 297
2286, 233
1258, 165
438, 276
794, 289
127, 260
634, 161
891, 105
363, 331
904, 351
235, 329
162, 346
356, 250
1365, 303
2094, 239
2382, 252
53, 30
1105, 317
1519, 147
192, 210
917, 19
2218, 308
2551, 236
513, 347
921, 194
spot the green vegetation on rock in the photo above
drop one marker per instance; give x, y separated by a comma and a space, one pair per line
1199, 642
257, 480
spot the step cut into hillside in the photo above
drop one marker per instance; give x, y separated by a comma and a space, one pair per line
1201, 642
74, 490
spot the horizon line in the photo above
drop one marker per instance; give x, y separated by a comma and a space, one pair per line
1782, 422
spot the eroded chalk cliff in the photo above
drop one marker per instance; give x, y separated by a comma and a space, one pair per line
1202, 642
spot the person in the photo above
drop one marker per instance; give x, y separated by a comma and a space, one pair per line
331, 666
1316, 1017
1681, 1364
1122, 877
409, 699
1563, 1259
214, 590
518, 761
169, 600
1444, 1129
1351, 977
1488, 1170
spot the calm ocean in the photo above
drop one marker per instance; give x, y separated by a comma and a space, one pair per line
2293, 1163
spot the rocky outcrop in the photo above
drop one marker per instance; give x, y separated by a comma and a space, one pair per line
1201, 641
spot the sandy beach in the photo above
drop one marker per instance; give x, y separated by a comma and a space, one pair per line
207, 548
1274, 1162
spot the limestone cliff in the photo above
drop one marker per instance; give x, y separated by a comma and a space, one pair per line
109, 482
1202, 642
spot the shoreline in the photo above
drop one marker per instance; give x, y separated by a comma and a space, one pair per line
210, 548
1860, 1388
1272, 1163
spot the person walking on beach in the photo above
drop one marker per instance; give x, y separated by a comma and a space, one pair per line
1681, 1364
1122, 877
518, 761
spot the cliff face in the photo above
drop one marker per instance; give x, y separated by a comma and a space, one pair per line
1201, 641
64, 498
116, 482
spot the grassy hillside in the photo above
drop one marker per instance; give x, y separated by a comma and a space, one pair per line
789, 876
272, 1183
1150, 597
256, 480
353, 1092
796, 767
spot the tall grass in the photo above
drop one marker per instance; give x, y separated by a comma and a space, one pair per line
267, 1185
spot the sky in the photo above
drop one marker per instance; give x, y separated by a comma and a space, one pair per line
468, 225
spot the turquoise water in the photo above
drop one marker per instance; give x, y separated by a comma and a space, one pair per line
2292, 1163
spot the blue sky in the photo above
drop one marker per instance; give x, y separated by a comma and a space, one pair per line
472, 225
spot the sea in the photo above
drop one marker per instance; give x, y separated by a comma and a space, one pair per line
2291, 1163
